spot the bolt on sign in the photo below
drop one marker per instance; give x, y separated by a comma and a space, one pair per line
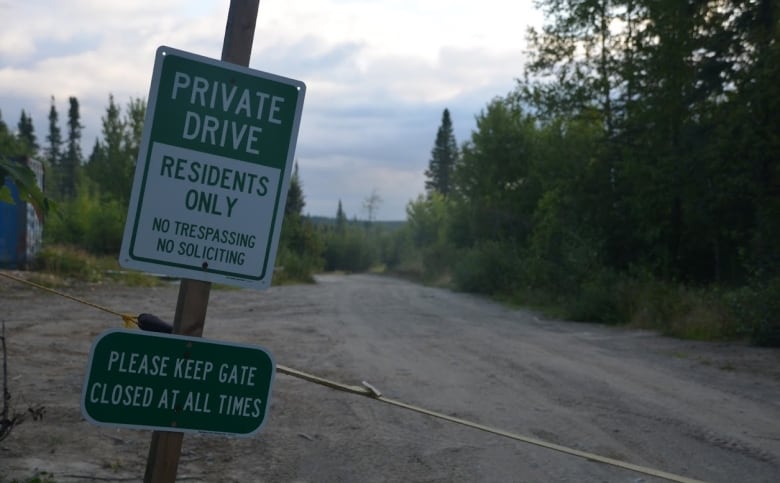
213, 171
167, 382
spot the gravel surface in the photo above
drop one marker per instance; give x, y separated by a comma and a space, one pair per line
709, 411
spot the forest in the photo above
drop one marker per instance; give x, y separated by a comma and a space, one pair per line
630, 177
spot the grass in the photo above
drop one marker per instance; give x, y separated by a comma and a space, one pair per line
59, 265
670, 309
38, 477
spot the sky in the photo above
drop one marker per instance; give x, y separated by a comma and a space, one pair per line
378, 75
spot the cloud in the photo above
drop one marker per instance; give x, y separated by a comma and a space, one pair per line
378, 74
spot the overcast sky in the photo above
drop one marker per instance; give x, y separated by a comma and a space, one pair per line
378, 73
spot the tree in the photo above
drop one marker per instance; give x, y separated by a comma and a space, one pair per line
9, 144
71, 161
494, 193
112, 162
371, 204
300, 247
54, 148
295, 201
341, 220
27, 134
444, 157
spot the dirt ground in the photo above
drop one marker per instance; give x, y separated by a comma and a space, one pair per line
709, 411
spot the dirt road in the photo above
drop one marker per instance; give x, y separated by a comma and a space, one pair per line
708, 411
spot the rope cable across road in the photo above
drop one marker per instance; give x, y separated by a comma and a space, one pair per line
367, 390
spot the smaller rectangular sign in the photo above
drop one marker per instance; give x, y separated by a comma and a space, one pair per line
167, 382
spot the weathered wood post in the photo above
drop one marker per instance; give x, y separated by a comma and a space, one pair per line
165, 448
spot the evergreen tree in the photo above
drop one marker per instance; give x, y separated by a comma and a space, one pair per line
19, 174
295, 201
341, 220
111, 164
54, 150
71, 161
444, 157
8, 142
27, 134
10, 146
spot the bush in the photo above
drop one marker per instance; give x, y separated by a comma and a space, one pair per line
300, 251
489, 267
603, 297
68, 262
757, 309
354, 250
679, 311
89, 223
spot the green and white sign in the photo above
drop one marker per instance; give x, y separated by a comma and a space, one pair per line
213, 171
148, 380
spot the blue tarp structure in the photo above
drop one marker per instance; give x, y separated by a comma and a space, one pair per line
21, 231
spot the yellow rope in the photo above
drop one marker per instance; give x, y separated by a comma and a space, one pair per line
369, 391
130, 321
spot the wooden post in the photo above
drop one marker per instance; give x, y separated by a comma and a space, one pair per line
165, 448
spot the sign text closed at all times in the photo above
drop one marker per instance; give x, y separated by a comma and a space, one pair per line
177, 383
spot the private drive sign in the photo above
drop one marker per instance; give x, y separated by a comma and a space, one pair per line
167, 382
213, 171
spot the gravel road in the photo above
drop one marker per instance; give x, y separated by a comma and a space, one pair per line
708, 411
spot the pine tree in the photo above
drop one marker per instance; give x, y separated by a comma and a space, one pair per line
444, 156
71, 161
27, 134
54, 149
341, 219
107, 165
295, 201
10, 146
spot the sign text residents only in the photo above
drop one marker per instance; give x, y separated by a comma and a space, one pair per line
167, 382
213, 171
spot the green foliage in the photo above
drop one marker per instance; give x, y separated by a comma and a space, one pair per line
427, 219
300, 246
24, 180
444, 157
111, 165
38, 477
490, 267
68, 262
27, 137
89, 222
295, 200
757, 309
355, 249
492, 180
54, 145
603, 296
70, 164
631, 175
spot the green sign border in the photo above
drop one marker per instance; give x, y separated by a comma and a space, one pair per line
154, 131
175, 346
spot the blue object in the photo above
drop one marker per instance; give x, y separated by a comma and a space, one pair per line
21, 230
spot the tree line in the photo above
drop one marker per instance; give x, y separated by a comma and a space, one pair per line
641, 144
